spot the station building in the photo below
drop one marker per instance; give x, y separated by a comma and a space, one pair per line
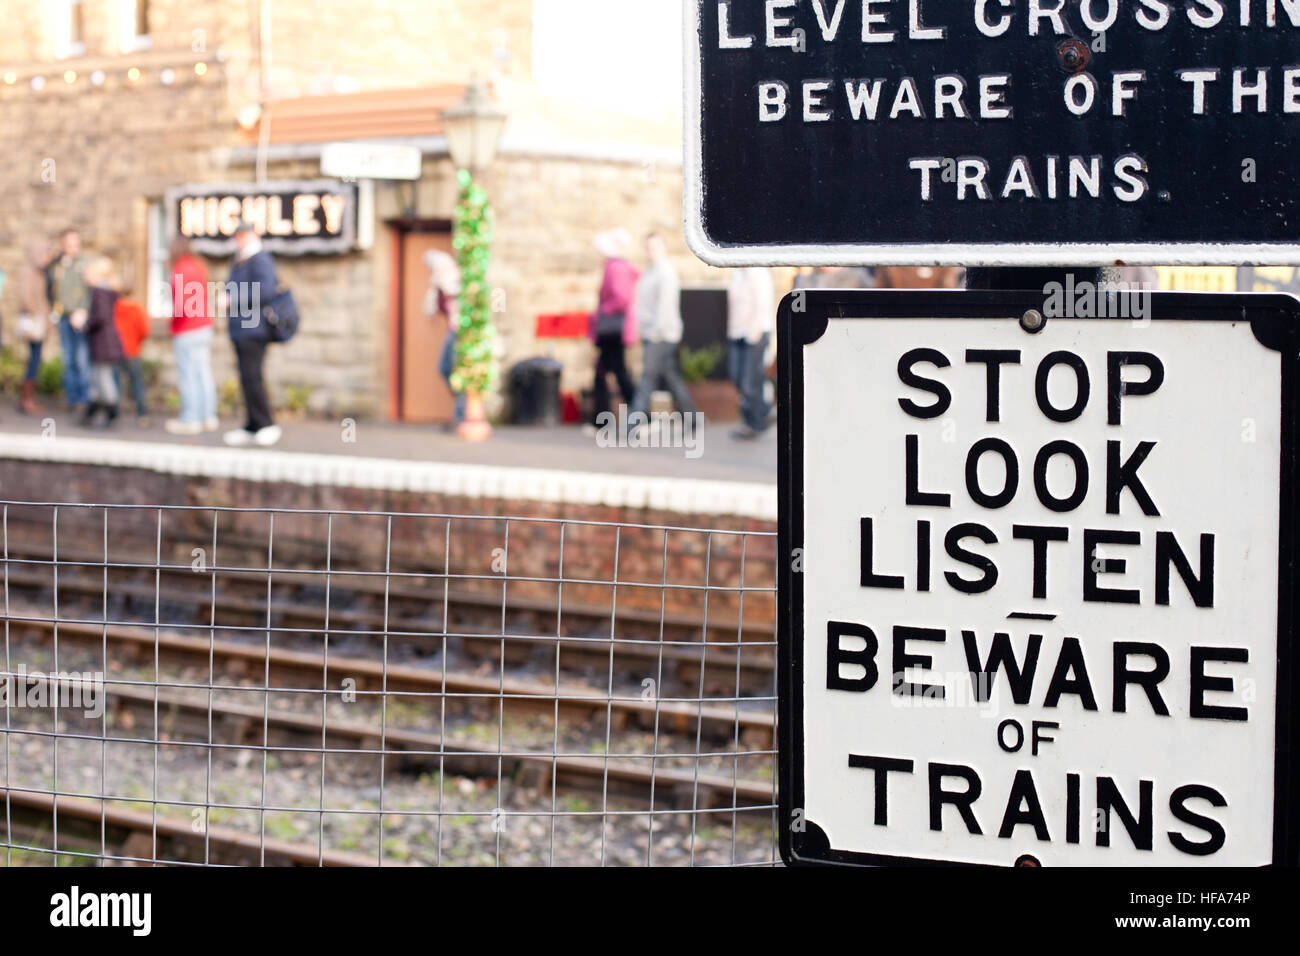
131, 119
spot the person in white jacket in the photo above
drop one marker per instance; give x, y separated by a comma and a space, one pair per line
751, 320
659, 315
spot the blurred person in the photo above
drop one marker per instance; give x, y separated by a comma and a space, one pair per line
614, 323
1139, 278
252, 283
834, 277
69, 295
919, 277
34, 318
444, 299
659, 315
751, 318
192, 333
132, 324
102, 343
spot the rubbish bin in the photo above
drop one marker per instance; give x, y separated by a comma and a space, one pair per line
535, 392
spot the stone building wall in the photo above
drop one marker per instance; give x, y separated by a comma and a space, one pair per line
28, 36
93, 157
333, 46
548, 211
317, 46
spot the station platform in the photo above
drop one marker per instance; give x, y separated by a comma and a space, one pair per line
720, 476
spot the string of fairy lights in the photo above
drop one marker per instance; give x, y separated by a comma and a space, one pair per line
167, 76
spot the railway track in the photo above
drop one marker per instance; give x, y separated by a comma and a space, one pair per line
302, 633
418, 618
639, 779
93, 830
304, 670
406, 590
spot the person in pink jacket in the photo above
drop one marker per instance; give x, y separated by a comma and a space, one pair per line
613, 324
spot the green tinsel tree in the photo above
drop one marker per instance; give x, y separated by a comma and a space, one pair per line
472, 239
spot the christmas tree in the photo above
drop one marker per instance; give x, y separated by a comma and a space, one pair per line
475, 370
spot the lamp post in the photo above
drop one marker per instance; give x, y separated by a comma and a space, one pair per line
473, 129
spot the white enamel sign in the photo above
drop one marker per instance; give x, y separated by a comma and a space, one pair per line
370, 161
1033, 614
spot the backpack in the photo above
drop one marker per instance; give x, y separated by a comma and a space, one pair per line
281, 315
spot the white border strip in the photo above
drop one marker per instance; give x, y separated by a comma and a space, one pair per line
511, 145
941, 254
679, 495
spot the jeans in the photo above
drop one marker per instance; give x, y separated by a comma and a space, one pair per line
447, 365
103, 384
659, 364
33, 361
610, 361
130, 368
76, 363
745, 367
251, 354
194, 379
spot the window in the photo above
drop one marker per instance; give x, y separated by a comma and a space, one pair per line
135, 25
69, 28
158, 297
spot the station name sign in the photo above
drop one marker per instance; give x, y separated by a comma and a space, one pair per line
992, 132
292, 217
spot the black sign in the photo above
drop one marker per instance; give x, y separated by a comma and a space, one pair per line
993, 132
291, 217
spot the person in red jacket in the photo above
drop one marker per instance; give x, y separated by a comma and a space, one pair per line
132, 328
192, 341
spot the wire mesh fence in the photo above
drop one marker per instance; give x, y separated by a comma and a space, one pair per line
190, 685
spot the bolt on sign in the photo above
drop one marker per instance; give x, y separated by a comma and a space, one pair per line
292, 217
1040, 599
992, 132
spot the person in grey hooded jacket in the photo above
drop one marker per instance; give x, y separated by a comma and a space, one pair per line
659, 312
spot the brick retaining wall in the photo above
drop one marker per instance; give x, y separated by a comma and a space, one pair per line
478, 548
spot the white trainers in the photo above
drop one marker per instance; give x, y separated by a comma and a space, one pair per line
212, 424
175, 426
267, 436
238, 437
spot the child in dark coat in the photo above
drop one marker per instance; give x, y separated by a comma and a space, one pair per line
105, 345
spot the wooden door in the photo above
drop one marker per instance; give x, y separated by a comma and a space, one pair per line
424, 395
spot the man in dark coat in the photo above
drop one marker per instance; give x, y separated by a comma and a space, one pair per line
252, 285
